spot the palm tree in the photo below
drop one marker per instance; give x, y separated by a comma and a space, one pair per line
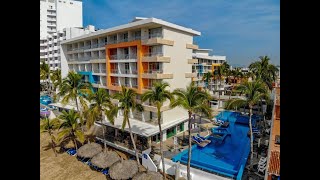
206, 78
157, 96
56, 79
264, 71
74, 88
127, 103
45, 74
100, 102
47, 126
254, 92
191, 100
220, 73
70, 128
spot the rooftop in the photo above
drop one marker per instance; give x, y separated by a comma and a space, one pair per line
137, 23
142, 128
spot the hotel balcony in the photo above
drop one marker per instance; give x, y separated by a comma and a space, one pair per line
123, 58
153, 108
190, 75
101, 72
124, 73
155, 57
99, 84
98, 60
192, 46
51, 19
192, 61
156, 74
155, 39
51, 25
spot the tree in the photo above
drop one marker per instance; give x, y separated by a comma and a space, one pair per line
70, 128
191, 100
207, 78
157, 96
56, 78
45, 74
127, 103
264, 70
100, 102
48, 126
74, 88
220, 73
254, 92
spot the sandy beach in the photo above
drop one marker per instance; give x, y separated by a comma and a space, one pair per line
64, 166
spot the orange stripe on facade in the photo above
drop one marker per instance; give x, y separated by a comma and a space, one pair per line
141, 50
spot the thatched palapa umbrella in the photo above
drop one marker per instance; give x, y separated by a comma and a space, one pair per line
89, 150
105, 159
150, 175
123, 169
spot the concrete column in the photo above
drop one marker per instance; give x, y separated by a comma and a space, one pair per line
186, 126
135, 137
164, 135
149, 141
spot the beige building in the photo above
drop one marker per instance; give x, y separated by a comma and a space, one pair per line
136, 55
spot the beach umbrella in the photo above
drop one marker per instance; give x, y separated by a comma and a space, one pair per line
124, 169
105, 159
89, 150
150, 175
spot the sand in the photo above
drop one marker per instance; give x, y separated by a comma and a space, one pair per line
64, 166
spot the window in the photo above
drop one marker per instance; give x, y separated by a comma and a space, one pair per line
126, 81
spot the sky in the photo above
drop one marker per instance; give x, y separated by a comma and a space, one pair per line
241, 30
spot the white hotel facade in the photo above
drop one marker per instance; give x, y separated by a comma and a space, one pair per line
136, 55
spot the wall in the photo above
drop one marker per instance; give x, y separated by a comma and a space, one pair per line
196, 174
178, 66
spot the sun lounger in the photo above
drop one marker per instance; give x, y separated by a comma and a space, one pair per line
225, 124
262, 160
203, 138
199, 142
105, 171
72, 152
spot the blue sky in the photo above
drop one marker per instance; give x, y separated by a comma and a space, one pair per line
241, 30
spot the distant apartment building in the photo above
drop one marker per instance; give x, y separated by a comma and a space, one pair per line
55, 17
136, 55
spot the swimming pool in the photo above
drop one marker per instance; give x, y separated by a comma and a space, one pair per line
45, 100
227, 157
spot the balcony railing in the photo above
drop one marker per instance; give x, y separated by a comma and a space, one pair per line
153, 35
102, 71
123, 56
102, 44
153, 71
153, 54
127, 71
115, 84
114, 71
94, 45
122, 40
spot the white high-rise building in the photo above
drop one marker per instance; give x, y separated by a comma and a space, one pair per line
55, 16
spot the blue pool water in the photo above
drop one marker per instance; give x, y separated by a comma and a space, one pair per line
45, 100
227, 157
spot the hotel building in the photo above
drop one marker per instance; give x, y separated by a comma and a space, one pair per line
55, 17
136, 55
203, 63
